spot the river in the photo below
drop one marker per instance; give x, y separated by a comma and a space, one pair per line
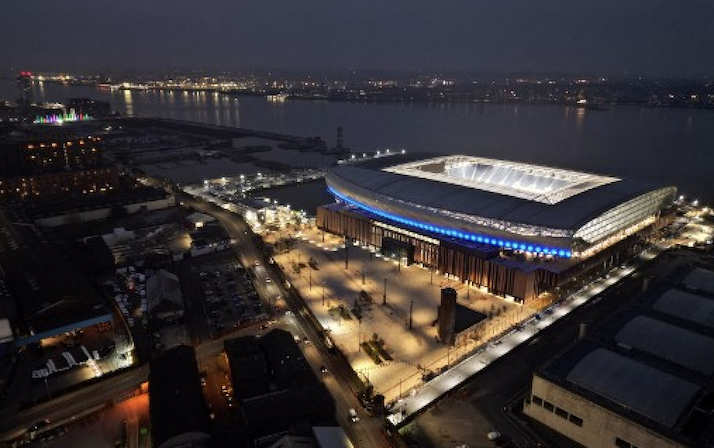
673, 146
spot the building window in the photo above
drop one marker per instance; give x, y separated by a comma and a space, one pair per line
623, 443
549, 406
561, 413
537, 400
577, 421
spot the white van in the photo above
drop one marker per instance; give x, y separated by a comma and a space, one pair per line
353, 415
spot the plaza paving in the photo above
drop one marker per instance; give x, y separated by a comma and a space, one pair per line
416, 351
327, 284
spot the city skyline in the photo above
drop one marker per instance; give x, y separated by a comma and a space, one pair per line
607, 38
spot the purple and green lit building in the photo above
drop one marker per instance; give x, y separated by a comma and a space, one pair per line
514, 228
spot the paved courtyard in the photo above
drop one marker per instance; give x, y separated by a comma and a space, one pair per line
316, 266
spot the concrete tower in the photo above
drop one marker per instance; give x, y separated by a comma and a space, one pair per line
447, 316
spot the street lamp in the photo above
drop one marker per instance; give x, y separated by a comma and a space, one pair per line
359, 335
323, 293
411, 311
347, 254
384, 297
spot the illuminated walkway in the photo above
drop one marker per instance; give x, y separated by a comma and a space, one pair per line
423, 397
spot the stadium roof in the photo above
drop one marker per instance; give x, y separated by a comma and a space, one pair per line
687, 306
567, 200
520, 180
652, 393
667, 341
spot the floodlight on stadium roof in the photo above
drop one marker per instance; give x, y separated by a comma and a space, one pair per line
510, 205
520, 180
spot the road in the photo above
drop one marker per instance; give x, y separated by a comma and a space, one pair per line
367, 432
13, 423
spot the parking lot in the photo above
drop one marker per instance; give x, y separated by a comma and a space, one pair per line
220, 295
230, 297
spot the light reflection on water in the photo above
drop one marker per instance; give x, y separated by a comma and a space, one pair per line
664, 145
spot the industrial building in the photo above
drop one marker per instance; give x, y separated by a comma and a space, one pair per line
513, 228
179, 414
52, 296
643, 379
278, 392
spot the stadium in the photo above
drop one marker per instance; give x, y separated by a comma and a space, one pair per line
514, 228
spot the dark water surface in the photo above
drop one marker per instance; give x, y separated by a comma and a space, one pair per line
673, 146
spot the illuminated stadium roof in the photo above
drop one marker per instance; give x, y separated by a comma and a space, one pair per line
513, 205
519, 180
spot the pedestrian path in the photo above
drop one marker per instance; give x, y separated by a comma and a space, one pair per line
420, 398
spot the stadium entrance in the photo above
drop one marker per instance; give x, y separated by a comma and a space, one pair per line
398, 250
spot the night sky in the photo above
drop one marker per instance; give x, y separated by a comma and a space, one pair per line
609, 37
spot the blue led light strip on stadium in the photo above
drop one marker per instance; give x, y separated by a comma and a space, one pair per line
515, 245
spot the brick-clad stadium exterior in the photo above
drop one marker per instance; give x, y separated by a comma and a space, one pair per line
516, 229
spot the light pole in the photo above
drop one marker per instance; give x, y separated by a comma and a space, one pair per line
323, 293
347, 254
411, 311
359, 335
384, 297
309, 272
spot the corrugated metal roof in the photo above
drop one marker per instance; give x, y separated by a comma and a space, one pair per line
701, 279
667, 341
687, 306
652, 393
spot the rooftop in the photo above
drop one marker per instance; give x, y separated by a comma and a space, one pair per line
701, 279
649, 363
653, 393
532, 182
687, 306
164, 290
681, 346
54, 292
176, 401
536, 200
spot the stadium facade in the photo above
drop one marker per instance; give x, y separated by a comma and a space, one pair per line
514, 228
